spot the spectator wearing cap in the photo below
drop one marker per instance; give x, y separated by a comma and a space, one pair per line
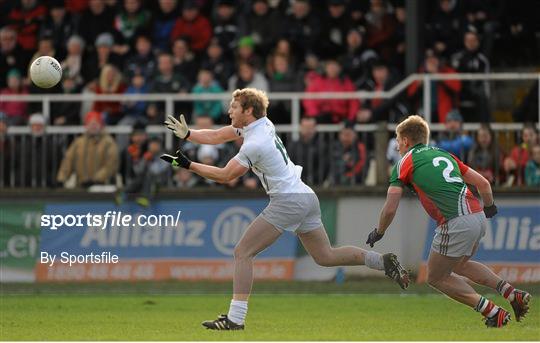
246, 52
485, 156
39, 156
59, 25
95, 20
225, 24
357, 60
131, 19
331, 110
349, 158
216, 61
15, 111
193, 25
444, 93
162, 23
207, 85
247, 76
263, 25
26, 18
110, 82
515, 163
142, 60
303, 28
335, 26
67, 112
91, 158
184, 59
474, 94
102, 56
381, 26
454, 139
12, 56
379, 109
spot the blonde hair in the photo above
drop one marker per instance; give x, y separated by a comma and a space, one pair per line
104, 84
415, 128
254, 98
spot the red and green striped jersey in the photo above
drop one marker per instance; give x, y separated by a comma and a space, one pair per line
436, 176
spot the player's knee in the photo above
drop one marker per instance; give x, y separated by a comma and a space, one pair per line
242, 253
435, 279
324, 260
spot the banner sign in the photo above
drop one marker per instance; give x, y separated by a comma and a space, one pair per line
19, 240
511, 245
186, 240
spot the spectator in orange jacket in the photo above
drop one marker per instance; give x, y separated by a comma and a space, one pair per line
194, 26
331, 110
444, 94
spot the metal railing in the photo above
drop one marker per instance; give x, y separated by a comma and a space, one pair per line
294, 97
28, 166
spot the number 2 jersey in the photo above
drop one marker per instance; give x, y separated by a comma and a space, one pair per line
265, 154
436, 177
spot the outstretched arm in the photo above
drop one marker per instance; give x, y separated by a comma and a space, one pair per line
231, 171
206, 136
393, 196
387, 214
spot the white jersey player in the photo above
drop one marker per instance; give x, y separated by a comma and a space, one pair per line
293, 205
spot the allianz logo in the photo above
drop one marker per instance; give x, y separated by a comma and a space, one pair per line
187, 234
229, 227
511, 233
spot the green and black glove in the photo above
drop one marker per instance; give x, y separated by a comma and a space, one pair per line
490, 211
180, 160
373, 237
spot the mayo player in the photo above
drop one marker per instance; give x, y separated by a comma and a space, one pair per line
440, 179
293, 205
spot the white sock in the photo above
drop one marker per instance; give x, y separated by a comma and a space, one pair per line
374, 260
238, 311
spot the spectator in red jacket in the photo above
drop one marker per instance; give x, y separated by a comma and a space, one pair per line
444, 93
110, 82
194, 26
331, 110
16, 111
26, 19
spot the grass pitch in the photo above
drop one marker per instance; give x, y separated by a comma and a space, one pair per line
326, 313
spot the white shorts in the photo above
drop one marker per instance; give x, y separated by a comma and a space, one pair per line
458, 236
298, 212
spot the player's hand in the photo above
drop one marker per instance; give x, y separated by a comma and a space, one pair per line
180, 160
179, 128
490, 211
373, 237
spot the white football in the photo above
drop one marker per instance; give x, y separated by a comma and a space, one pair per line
45, 72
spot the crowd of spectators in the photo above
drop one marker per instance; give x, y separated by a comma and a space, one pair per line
205, 46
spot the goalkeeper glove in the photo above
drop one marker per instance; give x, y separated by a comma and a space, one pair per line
179, 128
490, 211
373, 237
180, 160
